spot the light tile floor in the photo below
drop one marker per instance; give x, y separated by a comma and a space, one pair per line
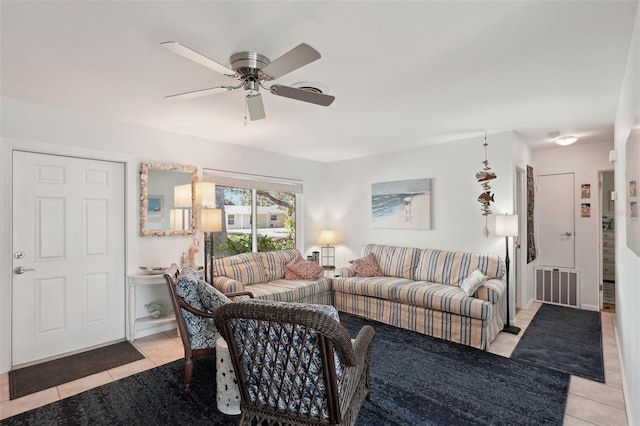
589, 403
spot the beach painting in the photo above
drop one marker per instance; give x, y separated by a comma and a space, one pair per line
404, 204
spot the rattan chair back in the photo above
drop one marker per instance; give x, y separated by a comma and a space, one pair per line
294, 364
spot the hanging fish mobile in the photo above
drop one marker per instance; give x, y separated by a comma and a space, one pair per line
483, 177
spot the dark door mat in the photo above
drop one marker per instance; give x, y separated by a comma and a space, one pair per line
28, 380
566, 339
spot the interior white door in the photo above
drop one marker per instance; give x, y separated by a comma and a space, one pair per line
68, 236
556, 220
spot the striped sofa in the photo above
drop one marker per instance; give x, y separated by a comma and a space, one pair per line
420, 291
263, 275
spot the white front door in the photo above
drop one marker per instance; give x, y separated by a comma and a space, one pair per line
68, 235
555, 208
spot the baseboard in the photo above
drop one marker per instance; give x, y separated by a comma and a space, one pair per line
623, 376
527, 304
590, 307
155, 330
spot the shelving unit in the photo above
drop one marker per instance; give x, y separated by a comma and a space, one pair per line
135, 324
608, 266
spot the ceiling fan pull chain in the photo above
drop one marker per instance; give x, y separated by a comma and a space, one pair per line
245, 112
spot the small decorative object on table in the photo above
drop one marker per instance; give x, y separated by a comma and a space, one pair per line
156, 309
153, 270
195, 248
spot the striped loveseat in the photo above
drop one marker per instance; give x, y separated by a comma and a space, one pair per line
420, 291
263, 275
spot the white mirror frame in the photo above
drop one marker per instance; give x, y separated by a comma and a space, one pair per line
144, 199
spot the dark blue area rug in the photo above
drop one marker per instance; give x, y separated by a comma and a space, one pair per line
415, 379
421, 380
565, 339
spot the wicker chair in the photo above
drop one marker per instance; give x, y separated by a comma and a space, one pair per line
193, 314
295, 363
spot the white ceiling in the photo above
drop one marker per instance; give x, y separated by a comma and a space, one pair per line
404, 74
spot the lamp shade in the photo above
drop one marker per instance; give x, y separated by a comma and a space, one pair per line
205, 194
211, 220
328, 237
182, 195
176, 219
507, 225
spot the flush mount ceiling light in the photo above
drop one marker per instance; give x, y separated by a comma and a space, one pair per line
566, 140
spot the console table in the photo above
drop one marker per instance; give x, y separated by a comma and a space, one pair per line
134, 323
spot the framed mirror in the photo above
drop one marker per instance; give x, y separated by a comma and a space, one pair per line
167, 199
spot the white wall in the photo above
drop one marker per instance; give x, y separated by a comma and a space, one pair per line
456, 219
50, 130
627, 263
524, 279
585, 161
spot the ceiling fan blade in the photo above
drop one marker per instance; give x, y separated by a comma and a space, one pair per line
302, 95
199, 93
194, 56
255, 107
297, 57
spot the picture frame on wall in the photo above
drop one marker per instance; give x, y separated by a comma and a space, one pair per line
404, 204
632, 164
585, 190
155, 207
585, 210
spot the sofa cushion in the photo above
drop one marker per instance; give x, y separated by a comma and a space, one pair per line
202, 296
300, 269
290, 290
246, 268
398, 262
451, 267
444, 298
274, 262
366, 266
378, 287
473, 282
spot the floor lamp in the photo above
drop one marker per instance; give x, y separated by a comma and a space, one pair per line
210, 222
507, 226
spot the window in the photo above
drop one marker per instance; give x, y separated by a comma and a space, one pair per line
261, 209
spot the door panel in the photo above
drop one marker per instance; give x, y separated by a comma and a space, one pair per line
68, 220
556, 226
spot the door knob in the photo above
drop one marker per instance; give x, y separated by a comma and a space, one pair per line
567, 234
20, 270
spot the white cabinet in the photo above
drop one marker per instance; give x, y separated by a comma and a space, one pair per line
135, 323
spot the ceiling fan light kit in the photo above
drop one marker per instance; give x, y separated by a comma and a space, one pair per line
253, 70
255, 106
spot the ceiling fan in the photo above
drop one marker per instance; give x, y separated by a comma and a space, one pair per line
254, 70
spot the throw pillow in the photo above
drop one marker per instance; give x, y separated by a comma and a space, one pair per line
299, 269
473, 282
366, 266
288, 269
